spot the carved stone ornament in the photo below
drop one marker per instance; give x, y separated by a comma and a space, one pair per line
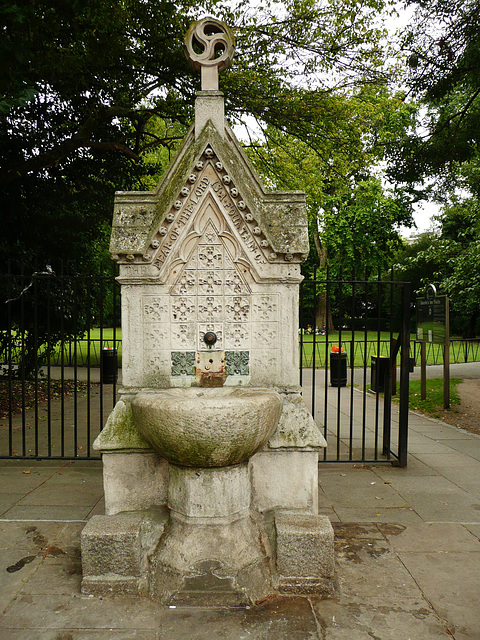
216, 43
237, 363
183, 363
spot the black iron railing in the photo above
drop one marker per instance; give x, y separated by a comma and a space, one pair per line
369, 320
54, 328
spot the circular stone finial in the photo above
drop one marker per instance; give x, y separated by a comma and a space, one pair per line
210, 46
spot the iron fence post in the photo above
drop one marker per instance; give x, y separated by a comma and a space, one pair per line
404, 377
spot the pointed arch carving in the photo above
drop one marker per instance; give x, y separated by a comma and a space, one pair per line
208, 194
209, 292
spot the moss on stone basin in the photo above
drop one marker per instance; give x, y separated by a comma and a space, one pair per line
207, 427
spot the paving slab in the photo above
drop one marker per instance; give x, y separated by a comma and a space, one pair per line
18, 480
474, 528
412, 619
415, 468
29, 536
430, 446
462, 470
405, 515
9, 501
67, 492
17, 565
450, 582
369, 571
437, 499
425, 537
436, 430
53, 513
277, 619
327, 511
54, 578
39, 611
81, 634
357, 531
98, 509
377, 595
466, 446
359, 487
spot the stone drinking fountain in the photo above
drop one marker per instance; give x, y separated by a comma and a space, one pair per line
210, 456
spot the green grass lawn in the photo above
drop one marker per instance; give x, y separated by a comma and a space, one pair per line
87, 350
363, 347
433, 404
371, 343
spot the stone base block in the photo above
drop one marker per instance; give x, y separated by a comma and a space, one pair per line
285, 480
193, 563
111, 584
186, 562
115, 551
134, 481
305, 557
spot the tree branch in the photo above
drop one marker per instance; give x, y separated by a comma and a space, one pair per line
81, 139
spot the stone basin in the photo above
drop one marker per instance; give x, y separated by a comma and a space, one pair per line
199, 427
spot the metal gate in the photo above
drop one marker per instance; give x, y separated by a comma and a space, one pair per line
354, 342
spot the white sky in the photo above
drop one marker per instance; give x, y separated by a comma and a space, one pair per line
423, 218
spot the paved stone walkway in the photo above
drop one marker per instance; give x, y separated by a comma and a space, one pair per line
408, 556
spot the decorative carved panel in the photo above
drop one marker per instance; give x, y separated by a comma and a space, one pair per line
183, 335
265, 308
156, 336
237, 336
155, 308
265, 335
209, 292
237, 363
183, 363
183, 309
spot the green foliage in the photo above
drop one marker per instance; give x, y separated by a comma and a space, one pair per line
90, 74
354, 220
360, 226
442, 48
450, 259
95, 94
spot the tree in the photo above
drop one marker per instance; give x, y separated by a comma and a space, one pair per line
353, 219
442, 48
100, 70
84, 81
450, 259
93, 90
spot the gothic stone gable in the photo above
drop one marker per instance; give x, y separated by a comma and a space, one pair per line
210, 179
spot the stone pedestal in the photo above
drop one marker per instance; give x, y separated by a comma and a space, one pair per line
209, 547
213, 551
